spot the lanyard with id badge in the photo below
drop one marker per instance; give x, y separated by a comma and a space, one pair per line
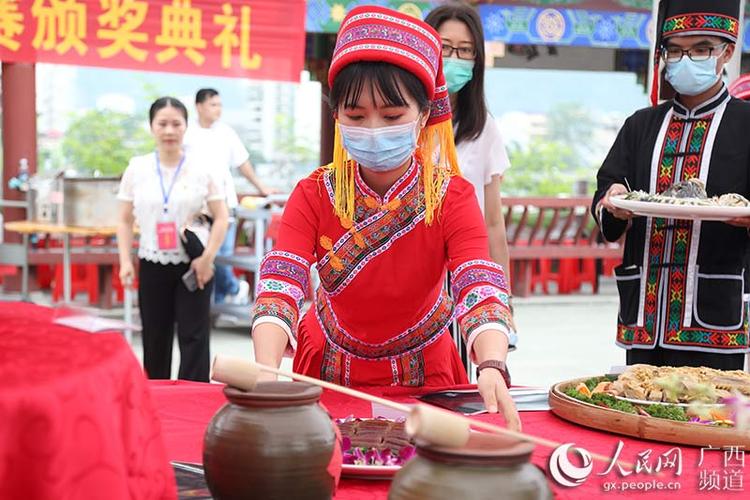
166, 228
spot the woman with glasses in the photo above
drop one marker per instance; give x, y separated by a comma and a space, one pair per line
481, 152
682, 283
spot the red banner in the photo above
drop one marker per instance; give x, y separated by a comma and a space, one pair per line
259, 39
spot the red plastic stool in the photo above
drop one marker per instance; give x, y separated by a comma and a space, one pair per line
7, 271
84, 278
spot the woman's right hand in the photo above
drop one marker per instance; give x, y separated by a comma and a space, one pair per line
127, 273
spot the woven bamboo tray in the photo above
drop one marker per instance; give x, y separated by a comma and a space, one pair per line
638, 426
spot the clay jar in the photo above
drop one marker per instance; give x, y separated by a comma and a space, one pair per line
274, 442
488, 467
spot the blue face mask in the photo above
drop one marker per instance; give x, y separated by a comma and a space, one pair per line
458, 72
689, 77
380, 149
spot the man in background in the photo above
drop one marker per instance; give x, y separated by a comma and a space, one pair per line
220, 142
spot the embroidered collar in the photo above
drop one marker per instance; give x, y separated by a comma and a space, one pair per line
708, 106
394, 191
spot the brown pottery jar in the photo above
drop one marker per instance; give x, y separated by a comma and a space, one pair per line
489, 467
274, 442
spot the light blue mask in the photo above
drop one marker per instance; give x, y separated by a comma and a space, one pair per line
689, 77
458, 72
380, 149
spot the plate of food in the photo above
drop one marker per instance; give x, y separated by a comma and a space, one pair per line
374, 448
692, 406
685, 200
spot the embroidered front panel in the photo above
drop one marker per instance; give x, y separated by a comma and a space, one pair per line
689, 337
701, 22
682, 232
669, 248
426, 331
657, 239
278, 308
332, 367
709, 338
375, 235
411, 367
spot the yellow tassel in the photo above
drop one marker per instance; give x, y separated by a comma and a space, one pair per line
343, 170
436, 140
346, 223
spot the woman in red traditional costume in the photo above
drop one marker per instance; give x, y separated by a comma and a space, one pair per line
383, 223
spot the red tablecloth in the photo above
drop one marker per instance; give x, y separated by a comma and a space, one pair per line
185, 409
76, 416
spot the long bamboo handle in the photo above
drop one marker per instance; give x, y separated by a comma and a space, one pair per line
248, 379
338, 388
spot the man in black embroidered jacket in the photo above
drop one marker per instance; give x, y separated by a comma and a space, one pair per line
682, 283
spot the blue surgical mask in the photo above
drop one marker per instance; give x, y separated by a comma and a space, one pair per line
690, 77
458, 72
380, 149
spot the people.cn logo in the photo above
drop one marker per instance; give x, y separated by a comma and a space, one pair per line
566, 473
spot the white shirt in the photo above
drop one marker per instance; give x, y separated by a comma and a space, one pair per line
483, 157
224, 147
140, 185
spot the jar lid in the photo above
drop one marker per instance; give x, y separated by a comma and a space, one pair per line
275, 394
482, 449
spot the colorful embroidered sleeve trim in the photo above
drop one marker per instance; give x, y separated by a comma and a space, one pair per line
278, 308
287, 266
485, 313
478, 272
269, 285
284, 278
481, 293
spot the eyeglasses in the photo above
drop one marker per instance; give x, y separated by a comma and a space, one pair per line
461, 52
697, 54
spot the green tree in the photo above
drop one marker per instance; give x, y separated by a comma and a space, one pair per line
542, 168
104, 141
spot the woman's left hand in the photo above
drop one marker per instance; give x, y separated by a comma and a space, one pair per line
496, 397
204, 269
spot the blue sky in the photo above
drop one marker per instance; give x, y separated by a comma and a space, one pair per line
538, 91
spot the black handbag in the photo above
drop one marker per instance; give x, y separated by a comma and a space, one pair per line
194, 236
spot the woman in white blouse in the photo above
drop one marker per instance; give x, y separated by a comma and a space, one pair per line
481, 152
162, 192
